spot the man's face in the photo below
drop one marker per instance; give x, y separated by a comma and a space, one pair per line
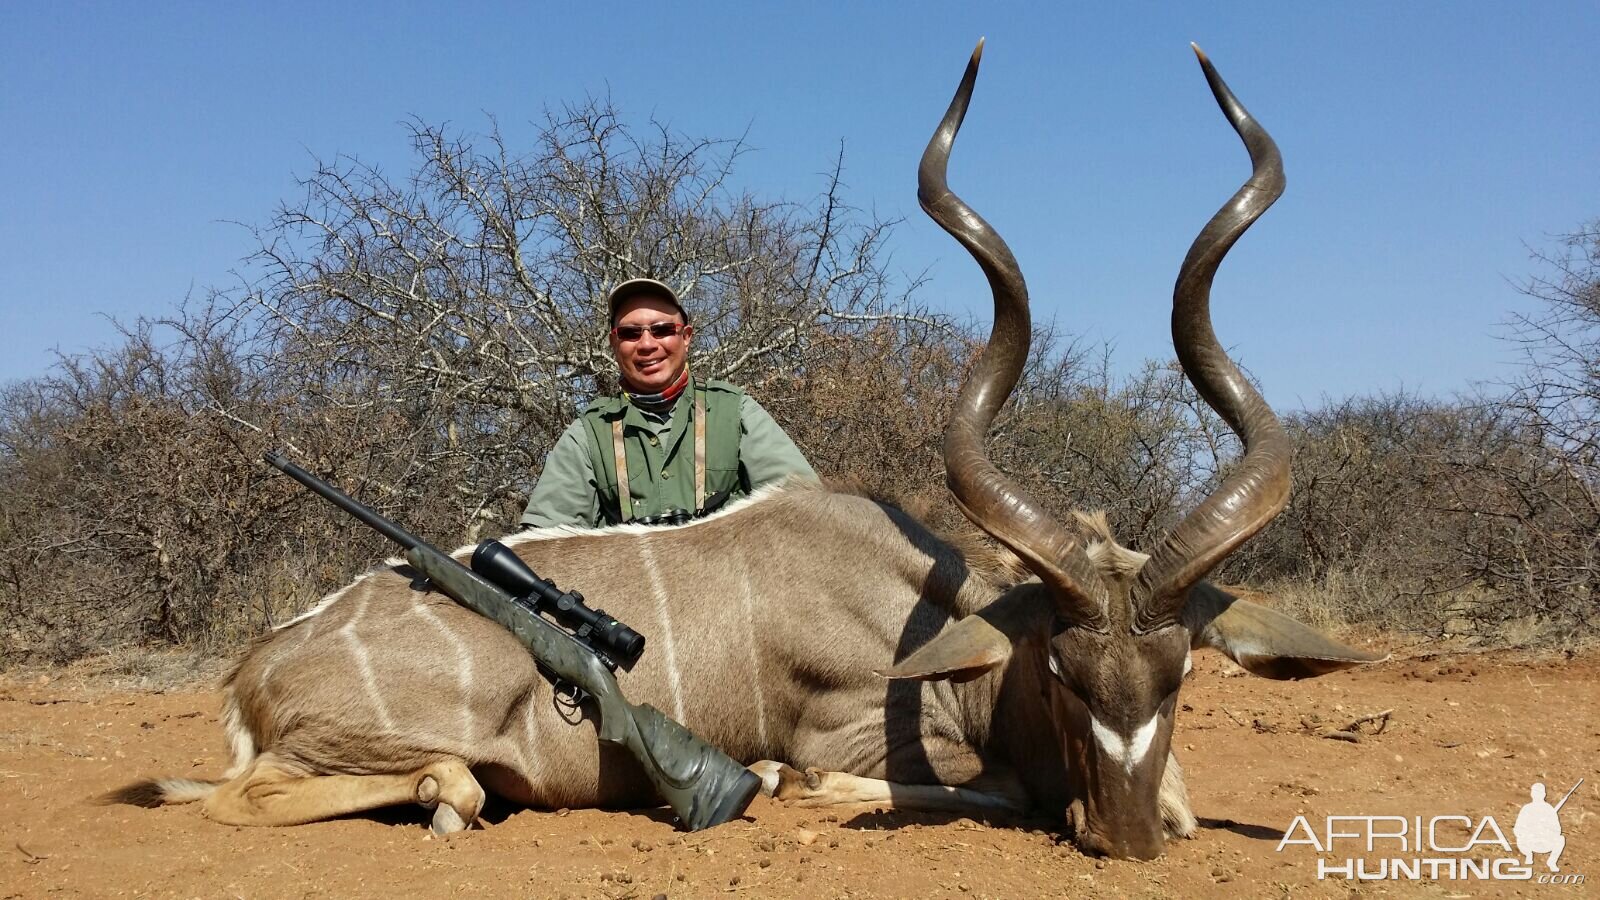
650, 364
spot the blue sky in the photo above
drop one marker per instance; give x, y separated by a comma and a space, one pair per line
1427, 147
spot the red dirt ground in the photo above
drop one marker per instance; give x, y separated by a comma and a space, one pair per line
1467, 736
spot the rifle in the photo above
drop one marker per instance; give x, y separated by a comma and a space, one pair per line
1569, 795
703, 785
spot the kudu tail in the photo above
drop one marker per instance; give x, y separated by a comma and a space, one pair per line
155, 792
160, 792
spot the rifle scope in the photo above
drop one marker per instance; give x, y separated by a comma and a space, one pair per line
498, 563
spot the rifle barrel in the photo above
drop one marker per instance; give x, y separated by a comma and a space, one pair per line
1569, 795
344, 501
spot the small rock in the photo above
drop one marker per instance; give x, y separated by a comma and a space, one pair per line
562, 811
806, 837
764, 863
734, 881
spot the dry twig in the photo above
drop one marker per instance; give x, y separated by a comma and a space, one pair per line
1351, 732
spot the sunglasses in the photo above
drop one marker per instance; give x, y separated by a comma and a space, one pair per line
658, 330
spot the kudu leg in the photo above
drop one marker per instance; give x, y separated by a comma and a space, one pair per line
815, 787
272, 793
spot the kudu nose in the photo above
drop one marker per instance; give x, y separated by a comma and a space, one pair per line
1112, 826
1140, 846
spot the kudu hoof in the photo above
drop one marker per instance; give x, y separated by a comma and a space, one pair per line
453, 794
788, 785
770, 772
447, 821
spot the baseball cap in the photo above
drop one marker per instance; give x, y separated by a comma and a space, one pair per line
633, 287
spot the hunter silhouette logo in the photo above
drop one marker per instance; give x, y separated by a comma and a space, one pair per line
1538, 828
1441, 847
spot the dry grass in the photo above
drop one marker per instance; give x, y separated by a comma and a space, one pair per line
133, 668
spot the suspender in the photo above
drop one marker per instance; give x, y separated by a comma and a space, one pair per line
699, 451
624, 499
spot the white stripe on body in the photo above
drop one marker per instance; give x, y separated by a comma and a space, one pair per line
670, 650
747, 598
1129, 751
305, 633
527, 749
463, 665
364, 663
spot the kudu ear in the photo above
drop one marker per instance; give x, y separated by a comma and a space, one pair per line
980, 643
1265, 642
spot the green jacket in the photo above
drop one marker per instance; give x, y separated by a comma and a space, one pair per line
745, 449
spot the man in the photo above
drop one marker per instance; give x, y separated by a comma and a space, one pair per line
1538, 828
671, 446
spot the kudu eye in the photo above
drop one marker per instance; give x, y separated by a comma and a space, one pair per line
1055, 667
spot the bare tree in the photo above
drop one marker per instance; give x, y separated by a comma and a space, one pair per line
1436, 517
469, 299
1560, 388
1141, 447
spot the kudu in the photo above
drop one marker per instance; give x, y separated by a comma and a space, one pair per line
768, 620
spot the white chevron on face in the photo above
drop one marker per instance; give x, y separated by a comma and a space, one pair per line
1127, 751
